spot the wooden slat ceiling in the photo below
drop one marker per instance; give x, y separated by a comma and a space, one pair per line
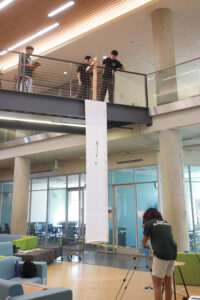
22, 18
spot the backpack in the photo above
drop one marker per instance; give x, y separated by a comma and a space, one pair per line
28, 269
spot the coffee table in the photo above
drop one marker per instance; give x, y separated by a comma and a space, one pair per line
47, 255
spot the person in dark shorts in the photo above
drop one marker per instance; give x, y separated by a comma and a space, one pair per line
110, 65
84, 72
164, 251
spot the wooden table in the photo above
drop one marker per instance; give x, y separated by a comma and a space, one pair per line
31, 287
179, 264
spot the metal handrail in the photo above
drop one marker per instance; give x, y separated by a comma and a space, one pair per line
68, 61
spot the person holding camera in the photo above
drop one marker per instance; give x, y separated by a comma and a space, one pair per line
164, 250
84, 74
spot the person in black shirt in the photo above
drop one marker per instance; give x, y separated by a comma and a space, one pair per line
164, 250
84, 78
110, 65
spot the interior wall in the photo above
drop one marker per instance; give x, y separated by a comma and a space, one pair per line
115, 161
79, 166
191, 157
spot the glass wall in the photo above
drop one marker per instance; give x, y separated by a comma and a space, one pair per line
6, 190
60, 201
131, 192
57, 205
192, 188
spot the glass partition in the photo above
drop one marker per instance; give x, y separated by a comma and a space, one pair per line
174, 84
147, 196
6, 192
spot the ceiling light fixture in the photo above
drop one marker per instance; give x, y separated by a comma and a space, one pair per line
5, 3
42, 122
61, 8
32, 37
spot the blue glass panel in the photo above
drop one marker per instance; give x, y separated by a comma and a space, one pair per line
189, 215
126, 216
39, 184
123, 176
7, 187
6, 206
110, 215
195, 173
58, 182
186, 173
109, 177
57, 209
146, 174
196, 205
147, 196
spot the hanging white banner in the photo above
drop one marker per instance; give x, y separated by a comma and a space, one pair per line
96, 172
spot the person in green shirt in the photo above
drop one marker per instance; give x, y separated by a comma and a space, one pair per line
164, 250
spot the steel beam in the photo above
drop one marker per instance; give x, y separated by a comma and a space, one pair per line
15, 101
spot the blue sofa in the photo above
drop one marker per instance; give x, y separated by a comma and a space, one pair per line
15, 290
9, 237
6, 249
7, 270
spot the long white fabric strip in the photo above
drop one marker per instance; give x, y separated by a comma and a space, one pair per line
96, 172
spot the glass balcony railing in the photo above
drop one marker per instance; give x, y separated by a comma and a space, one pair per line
58, 77
174, 84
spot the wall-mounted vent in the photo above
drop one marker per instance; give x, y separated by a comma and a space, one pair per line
129, 161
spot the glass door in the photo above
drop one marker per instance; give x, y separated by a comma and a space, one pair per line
124, 218
147, 196
75, 220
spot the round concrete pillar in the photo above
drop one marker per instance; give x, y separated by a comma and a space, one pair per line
172, 178
162, 24
20, 196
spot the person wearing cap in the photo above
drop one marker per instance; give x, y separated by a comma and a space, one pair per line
84, 74
110, 65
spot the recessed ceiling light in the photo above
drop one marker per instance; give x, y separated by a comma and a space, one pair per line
65, 73
30, 38
42, 122
61, 8
5, 3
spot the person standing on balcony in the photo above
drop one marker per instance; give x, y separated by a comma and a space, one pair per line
30, 67
84, 72
110, 65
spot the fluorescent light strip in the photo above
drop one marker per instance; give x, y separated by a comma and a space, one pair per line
32, 37
41, 122
61, 8
5, 3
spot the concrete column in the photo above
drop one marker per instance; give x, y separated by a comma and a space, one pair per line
20, 195
172, 177
164, 54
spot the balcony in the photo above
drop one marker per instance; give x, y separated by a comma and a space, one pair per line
55, 93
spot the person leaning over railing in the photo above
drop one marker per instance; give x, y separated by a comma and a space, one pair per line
84, 74
30, 67
164, 251
110, 65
